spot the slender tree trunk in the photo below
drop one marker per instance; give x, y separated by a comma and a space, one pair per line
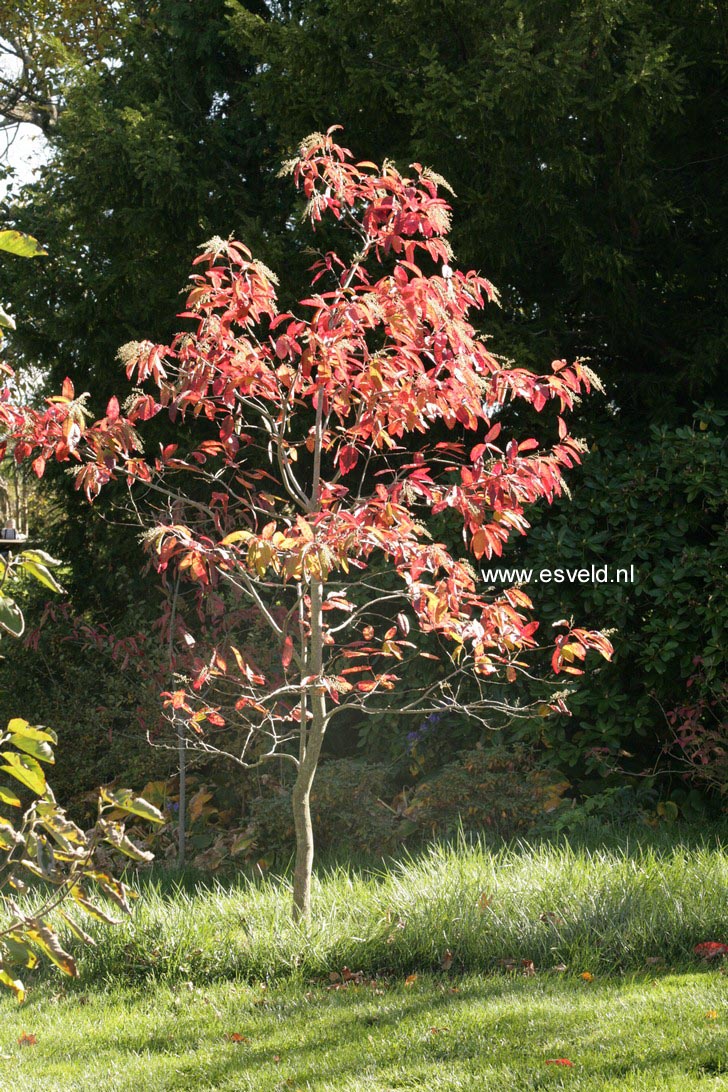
17, 496
312, 737
182, 813
301, 798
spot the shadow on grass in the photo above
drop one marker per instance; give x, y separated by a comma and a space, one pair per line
500, 1029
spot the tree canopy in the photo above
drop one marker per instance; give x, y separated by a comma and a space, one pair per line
584, 142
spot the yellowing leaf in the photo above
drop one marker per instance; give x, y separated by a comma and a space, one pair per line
235, 536
19, 727
197, 804
20, 244
44, 938
25, 769
13, 984
126, 801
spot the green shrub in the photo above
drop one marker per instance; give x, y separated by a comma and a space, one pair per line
348, 811
661, 506
100, 699
500, 790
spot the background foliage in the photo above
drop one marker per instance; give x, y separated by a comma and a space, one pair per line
586, 145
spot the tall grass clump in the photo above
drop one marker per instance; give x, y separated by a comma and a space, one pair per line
601, 910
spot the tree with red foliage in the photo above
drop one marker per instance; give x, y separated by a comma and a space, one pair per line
306, 499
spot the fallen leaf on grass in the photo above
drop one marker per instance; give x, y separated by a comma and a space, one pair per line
559, 1061
437, 1031
346, 978
711, 1014
528, 968
446, 961
27, 1039
236, 1037
711, 949
587, 976
551, 918
410, 980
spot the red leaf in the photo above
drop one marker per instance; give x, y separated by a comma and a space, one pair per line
348, 458
559, 1061
39, 466
67, 389
711, 949
112, 410
287, 654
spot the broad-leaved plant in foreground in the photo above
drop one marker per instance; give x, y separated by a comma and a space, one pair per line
38, 842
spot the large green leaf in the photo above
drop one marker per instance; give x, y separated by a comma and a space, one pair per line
19, 727
38, 748
25, 769
8, 797
11, 617
42, 557
126, 801
29, 564
20, 244
6, 320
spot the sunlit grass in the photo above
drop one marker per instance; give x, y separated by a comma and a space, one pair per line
608, 910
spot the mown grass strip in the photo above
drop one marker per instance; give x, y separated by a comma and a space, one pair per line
439, 1033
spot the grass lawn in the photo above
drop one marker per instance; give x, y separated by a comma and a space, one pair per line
494, 1032
473, 969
